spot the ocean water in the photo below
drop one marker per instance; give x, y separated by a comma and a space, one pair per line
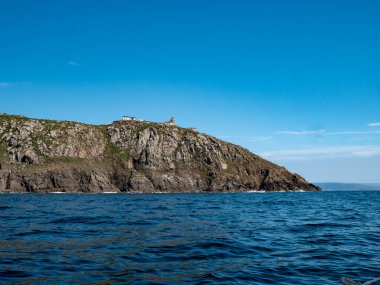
267, 238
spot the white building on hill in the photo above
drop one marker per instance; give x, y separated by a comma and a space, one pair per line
128, 118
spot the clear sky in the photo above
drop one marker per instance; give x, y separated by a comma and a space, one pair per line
295, 81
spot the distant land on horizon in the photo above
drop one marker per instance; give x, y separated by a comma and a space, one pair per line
339, 186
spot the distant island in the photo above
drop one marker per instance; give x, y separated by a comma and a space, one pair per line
129, 155
337, 186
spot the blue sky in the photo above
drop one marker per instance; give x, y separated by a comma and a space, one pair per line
297, 82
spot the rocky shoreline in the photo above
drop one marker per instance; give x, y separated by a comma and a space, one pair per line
42, 156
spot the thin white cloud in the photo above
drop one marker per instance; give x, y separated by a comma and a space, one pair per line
259, 138
322, 152
377, 124
249, 138
353, 133
324, 132
298, 133
4, 84
71, 62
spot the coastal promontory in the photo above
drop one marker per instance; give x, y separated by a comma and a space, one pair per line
132, 156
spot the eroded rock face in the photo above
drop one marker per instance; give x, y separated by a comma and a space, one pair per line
29, 141
129, 157
62, 180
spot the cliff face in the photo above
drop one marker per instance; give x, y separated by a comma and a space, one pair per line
49, 156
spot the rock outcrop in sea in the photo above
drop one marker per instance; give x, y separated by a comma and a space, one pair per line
42, 156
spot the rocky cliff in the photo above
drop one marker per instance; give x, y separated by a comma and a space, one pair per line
53, 156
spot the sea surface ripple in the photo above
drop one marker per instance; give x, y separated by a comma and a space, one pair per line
268, 238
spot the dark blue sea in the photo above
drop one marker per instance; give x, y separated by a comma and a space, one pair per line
252, 238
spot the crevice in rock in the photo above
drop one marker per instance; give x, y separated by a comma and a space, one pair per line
267, 171
8, 182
